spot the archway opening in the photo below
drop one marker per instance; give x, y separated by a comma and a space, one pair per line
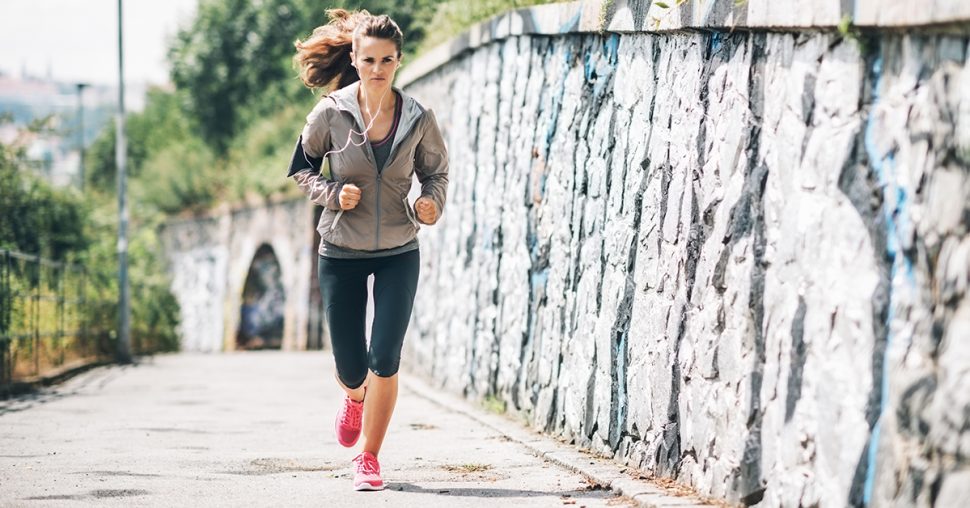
263, 300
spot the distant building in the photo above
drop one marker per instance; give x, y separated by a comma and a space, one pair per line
56, 154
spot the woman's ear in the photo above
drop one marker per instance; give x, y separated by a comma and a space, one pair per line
352, 58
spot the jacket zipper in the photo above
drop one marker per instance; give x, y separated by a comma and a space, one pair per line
369, 154
377, 242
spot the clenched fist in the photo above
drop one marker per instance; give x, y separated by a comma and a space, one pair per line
426, 210
349, 196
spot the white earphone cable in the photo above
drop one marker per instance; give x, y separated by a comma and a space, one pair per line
367, 128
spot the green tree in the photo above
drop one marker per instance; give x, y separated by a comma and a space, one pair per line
232, 53
163, 122
37, 218
235, 59
413, 17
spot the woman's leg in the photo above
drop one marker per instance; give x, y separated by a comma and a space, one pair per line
343, 290
395, 282
356, 394
378, 408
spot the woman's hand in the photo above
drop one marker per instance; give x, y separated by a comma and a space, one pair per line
426, 210
349, 196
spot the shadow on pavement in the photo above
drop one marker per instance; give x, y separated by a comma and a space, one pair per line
42, 395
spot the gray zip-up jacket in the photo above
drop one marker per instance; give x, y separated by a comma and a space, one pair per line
383, 218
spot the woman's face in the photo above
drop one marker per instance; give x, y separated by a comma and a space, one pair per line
376, 61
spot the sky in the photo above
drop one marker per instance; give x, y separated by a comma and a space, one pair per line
77, 40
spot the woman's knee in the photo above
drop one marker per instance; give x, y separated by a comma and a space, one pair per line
351, 380
384, 366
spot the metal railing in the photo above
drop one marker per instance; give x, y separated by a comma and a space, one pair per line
43, 318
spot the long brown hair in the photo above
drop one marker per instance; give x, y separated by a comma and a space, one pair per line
324, 57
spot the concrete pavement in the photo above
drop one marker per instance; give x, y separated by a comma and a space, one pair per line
255, 429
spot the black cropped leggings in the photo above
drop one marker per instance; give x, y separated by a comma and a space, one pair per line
343, 288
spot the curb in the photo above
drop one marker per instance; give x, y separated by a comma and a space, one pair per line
600, 471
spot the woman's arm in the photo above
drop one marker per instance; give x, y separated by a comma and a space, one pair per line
431, 165
313, 143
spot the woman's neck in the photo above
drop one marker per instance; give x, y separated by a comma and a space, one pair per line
375, 100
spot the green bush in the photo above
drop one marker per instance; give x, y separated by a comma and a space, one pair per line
154, 309
63, 225
37, 219
180, 177
162, 123
258, 158
451, 17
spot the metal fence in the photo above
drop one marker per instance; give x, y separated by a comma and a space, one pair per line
43, 323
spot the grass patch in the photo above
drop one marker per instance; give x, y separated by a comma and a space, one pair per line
466, 468
493, 404
453, 17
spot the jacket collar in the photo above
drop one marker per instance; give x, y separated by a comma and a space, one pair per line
411, 110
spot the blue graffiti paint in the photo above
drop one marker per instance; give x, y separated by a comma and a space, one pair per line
877, 161
714, 42
883, 163
612, 46
608, 66
901, 214
539, 279
573, 23
896, 217
599, 69
557, 101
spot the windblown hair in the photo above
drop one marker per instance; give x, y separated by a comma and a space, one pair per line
324, 57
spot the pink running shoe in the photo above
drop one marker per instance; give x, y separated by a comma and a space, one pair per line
347, 426
368, 474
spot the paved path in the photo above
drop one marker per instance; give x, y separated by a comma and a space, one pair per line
254, 429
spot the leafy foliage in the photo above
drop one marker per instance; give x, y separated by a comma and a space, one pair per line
234, 61
233, 53
37, 218
256, 158
62, 225
163, 122
451, 17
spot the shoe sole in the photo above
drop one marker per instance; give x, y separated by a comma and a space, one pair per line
368, 487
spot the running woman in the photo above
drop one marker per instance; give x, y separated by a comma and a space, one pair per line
375, 139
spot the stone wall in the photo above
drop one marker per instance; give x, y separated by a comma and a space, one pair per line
737, 259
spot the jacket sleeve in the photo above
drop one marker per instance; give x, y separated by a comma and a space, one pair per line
431, 164
307, 161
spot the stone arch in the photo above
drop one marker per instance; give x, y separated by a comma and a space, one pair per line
262, 310
210, 258
282, 226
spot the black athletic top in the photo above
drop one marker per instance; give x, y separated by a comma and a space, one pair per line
382, 148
